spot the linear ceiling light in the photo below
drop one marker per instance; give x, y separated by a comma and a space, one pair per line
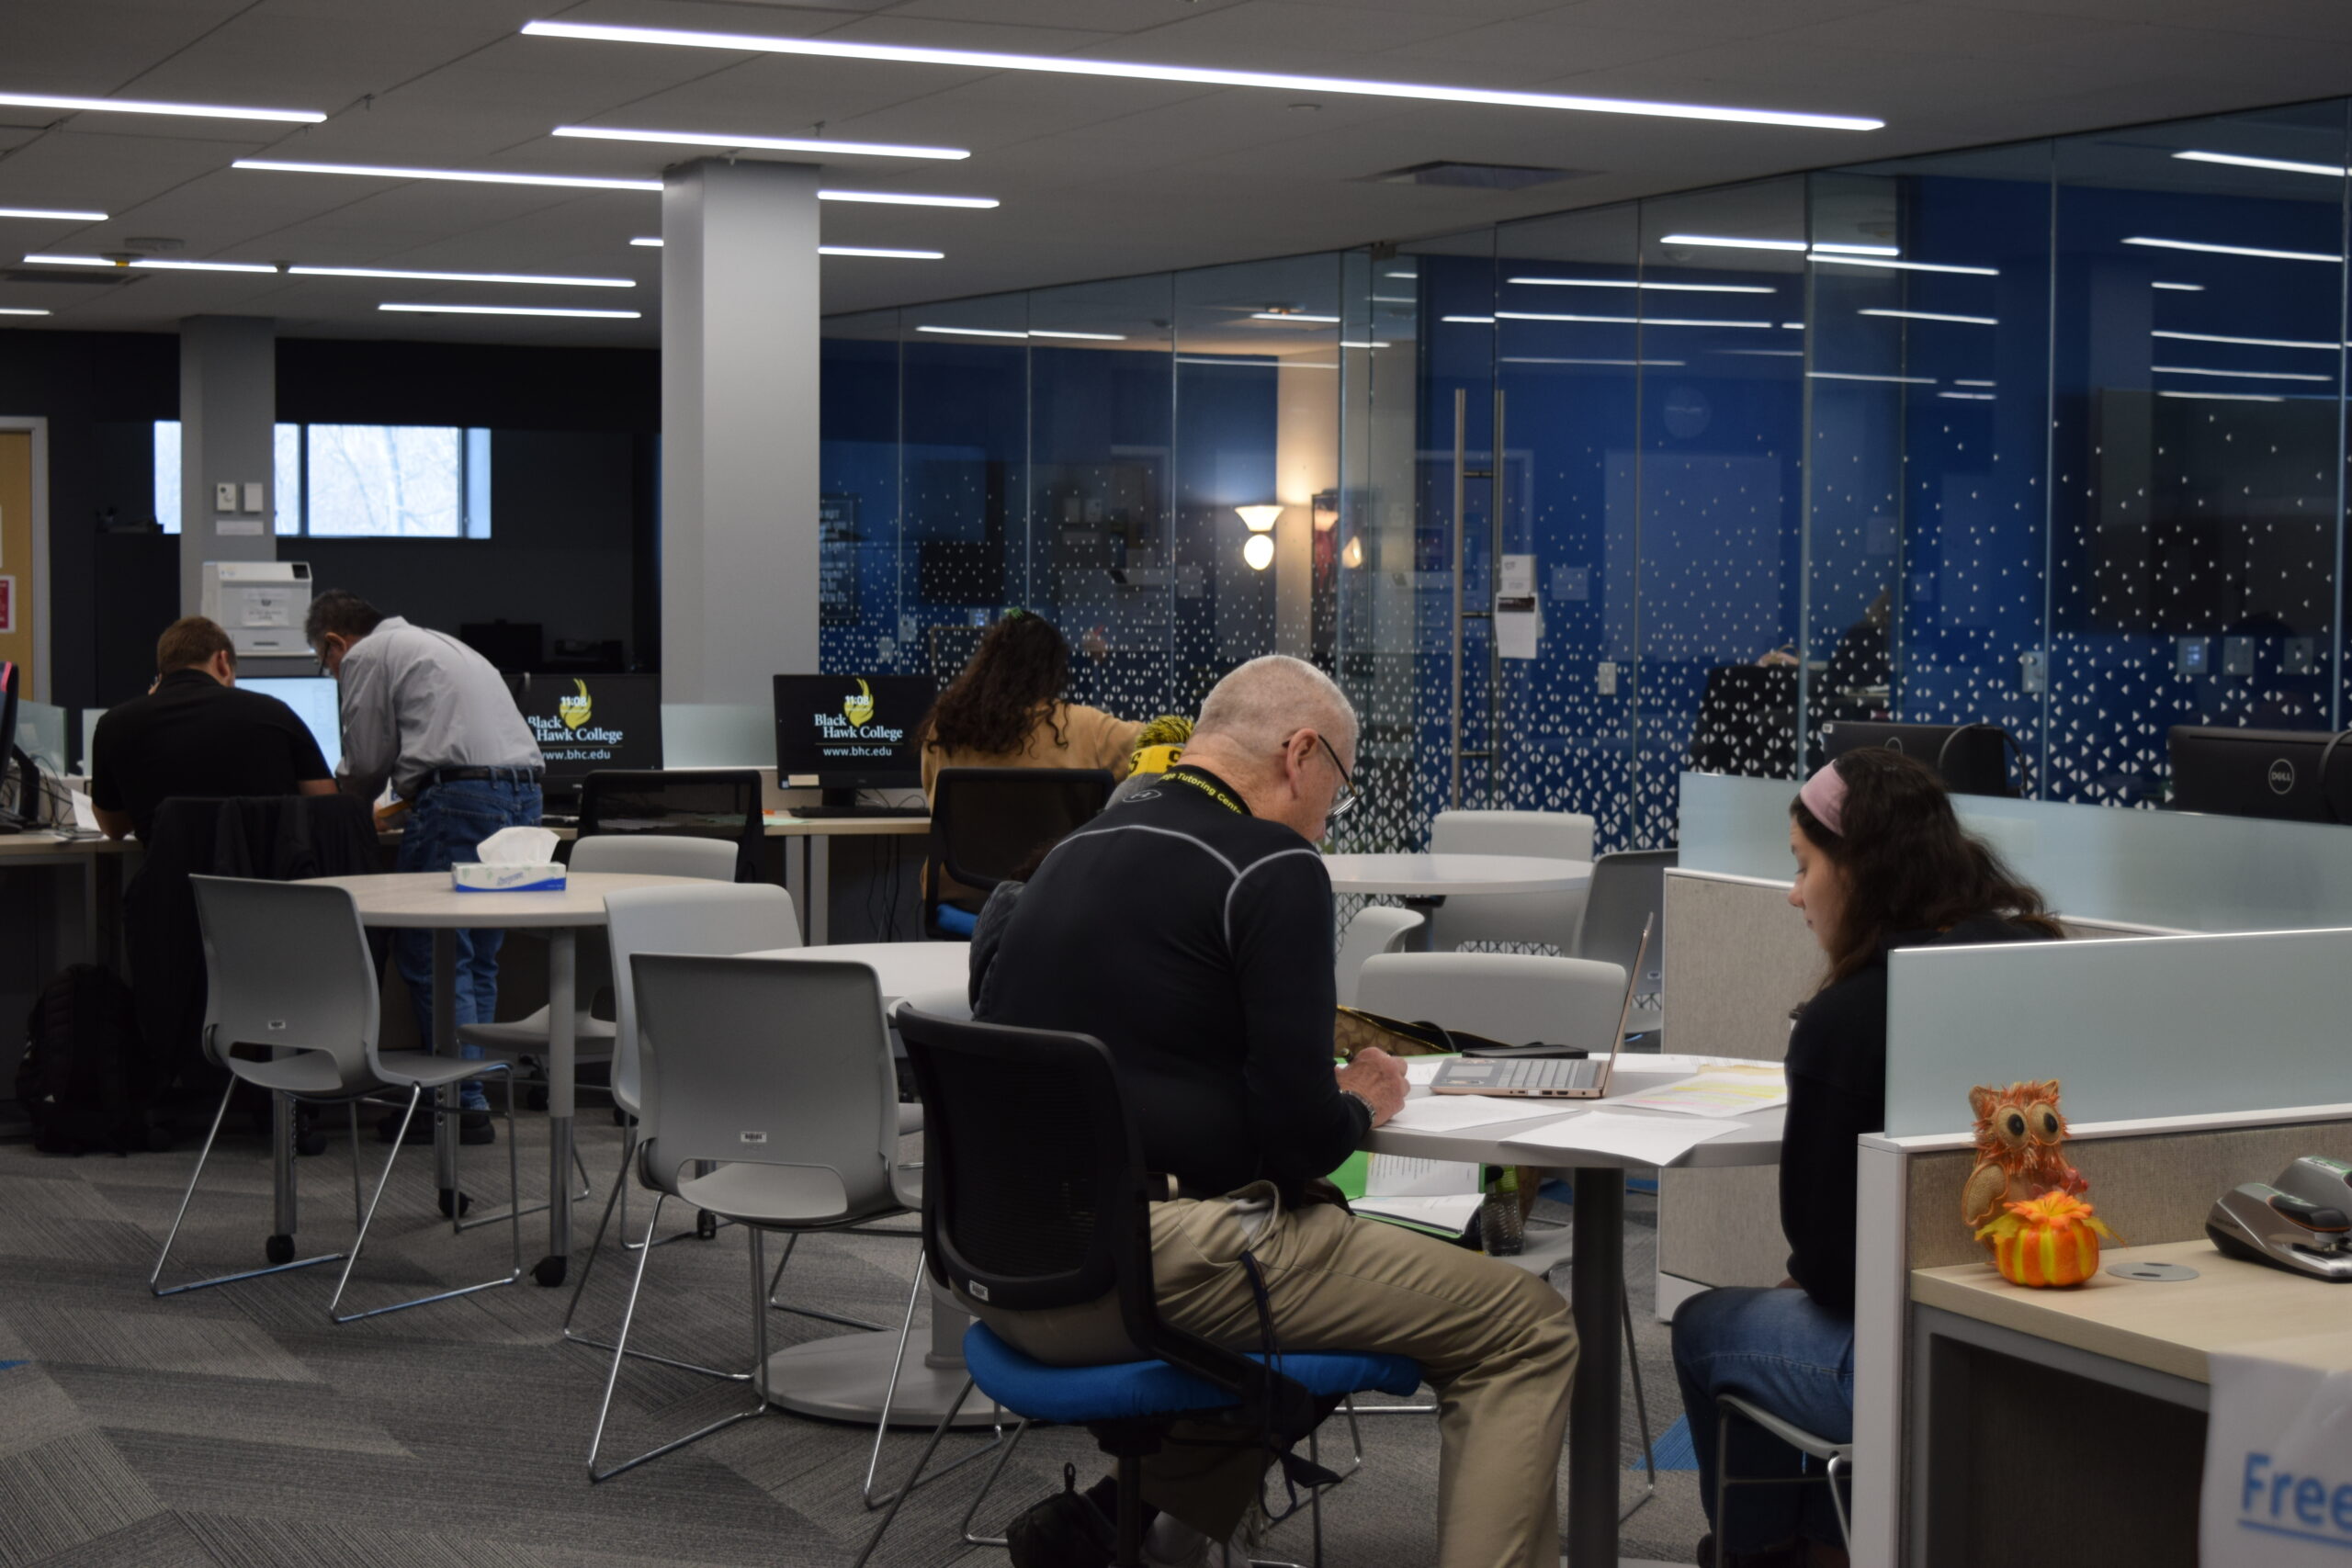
1934, 316
149, 262
2284, 166
2235, 250
1538, 359
2180, 287
1964, 381
1971, 397
902, 198
1136, 71
1467, 320
2226, 397
2242, 375
59, 215
1034, 332
1644, 282
19, 311
652, 240
2250, 341
973, 332
1299, 316
1734, 243
144, 106
1892, 265
1624, 321
1856, 375
884, 252
760, 143
476, 176
513, 310
463, 276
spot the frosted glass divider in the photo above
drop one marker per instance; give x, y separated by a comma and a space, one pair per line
2180, 869
2135, 1027
718, 735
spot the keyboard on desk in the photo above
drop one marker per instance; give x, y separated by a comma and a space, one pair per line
1543, 1076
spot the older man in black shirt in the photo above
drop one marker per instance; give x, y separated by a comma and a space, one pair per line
1189, 928
195, 734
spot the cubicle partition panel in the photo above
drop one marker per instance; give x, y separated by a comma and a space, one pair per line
2176, 1054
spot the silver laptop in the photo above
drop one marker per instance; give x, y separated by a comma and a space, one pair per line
1552, 1078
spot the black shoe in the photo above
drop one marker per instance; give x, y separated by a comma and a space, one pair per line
473, 1127
1069, 1529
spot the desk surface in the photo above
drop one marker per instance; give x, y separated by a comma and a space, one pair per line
56, 846
2170, 1327
904, 969
783, 825
424, 900
1757, 1143
1435, 877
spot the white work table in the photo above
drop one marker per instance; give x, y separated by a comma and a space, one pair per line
1426, 881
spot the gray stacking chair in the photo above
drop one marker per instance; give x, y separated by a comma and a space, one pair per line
289, 971
1537, 919
1515, 998
1377, 928
1628, 887
768, 1098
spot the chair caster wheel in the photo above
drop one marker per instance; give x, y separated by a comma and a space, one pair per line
461, 1202
548, 1271
535, 1099
706, 1225
279, 1249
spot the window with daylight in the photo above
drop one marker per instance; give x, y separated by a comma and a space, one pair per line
359, 482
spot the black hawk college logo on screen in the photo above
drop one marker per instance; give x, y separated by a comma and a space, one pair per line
570, 734
857, 730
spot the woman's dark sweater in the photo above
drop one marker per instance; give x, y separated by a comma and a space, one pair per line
1836, 1092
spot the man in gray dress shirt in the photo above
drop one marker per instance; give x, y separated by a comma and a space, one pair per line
425, 712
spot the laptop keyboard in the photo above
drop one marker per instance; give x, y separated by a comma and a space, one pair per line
1552, 1074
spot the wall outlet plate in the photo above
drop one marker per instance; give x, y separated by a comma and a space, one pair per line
224, 497
2191, 655
2033, 672
1604, 677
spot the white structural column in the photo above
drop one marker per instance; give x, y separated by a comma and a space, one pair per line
228, 416
738, 429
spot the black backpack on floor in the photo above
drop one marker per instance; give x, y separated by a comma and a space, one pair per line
85, 1081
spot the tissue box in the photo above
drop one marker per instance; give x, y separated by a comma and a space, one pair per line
485, 878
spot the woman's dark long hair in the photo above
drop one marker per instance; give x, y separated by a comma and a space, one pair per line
1015, 677
1907, 864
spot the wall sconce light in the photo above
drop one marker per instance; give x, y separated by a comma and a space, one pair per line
1258, 519
1258, 550
1351, 553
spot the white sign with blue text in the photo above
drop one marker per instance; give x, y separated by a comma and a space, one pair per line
2277, 1466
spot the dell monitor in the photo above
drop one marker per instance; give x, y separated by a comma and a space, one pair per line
2298, 774
584, 723
1971, 758
846, 733
316, 700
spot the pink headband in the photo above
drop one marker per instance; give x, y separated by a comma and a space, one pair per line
1824, 795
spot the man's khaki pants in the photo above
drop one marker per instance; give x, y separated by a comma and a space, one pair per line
1494, 1341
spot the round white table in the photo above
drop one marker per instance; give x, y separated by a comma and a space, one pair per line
904, 969
1425, 882
424, 900
1595, 1264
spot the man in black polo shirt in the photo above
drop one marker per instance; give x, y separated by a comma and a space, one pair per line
1189, 928
195, 734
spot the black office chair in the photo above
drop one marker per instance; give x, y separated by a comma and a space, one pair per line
1746, 723
987, 823
1034, 1197
705, 804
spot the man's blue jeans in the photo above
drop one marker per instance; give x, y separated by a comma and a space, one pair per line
1780, 1351
444, 825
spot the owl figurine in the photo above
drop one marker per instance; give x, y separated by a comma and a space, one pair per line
2019, 1150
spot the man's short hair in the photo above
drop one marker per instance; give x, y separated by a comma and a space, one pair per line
1263, 703
341, 611
189, 642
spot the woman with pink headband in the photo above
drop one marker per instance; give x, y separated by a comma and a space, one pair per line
1882, 862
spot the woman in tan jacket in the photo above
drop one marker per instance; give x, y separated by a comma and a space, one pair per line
1007, 710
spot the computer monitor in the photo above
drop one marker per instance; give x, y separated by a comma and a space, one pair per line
584, 723
2298, 774
846, 733
1972, 758
12, 675
315, 699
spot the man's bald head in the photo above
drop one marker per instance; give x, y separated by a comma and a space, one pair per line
1259, 705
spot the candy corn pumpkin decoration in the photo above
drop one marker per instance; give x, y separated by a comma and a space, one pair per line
2049, 1240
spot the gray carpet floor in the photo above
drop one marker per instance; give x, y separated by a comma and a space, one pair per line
238, 1427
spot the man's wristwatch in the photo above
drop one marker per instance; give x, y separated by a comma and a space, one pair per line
1370, 1114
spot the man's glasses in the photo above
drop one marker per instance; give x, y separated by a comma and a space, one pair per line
1348, 794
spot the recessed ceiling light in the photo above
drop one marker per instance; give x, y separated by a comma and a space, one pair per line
652, 240
59, 215
2249, 341
1935, 316
476, 176
1644, 283
1068, 65
144, 106
2180, 287
882, 251
19, 311
463, 276
902, 198
762, 143
2246, 375
150, 261
2235, 250
1624, 321
513, 310
1856, 375
1819, 259
2226, 397
2284, 166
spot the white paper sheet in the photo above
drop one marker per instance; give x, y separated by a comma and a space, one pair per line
1450, 1214
1649, 1140
1724, 1092
1444, 1113
1401, 1175
1423, 1069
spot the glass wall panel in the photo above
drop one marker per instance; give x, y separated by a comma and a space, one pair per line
2198, 358
857, 462
1722, 348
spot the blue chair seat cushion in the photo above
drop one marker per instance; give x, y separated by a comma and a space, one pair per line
1074, 1395
955, 921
